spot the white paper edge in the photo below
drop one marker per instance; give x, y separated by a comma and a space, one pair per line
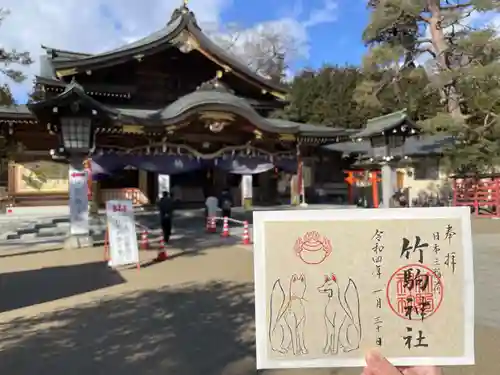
260, 217
136, 259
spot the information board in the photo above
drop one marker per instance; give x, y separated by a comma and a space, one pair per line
123, 249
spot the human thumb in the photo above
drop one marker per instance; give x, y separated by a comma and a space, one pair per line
379, 365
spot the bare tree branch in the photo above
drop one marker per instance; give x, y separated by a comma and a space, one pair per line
455, 6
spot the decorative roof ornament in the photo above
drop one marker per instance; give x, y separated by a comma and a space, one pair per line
183, 11
215, 84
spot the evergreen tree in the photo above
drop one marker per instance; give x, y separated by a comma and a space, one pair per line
462, 67
330, 97
6, 97
36, 94
326, 97
8, 60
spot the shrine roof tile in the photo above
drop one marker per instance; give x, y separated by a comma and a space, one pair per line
377, 125
177, 111
414, 146
182, 19
15, 111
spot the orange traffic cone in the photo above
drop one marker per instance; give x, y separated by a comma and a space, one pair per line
162, 254
225, 228
213, 225
107, 255
246, 235
208, 224
144, 240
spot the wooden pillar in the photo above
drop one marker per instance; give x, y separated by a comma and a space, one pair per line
143, 182
350, 180
375, 180
300, 177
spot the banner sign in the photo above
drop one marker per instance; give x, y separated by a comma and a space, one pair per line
163, 183
78, 202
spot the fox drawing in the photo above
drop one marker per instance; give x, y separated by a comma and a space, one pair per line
288, 316
342, 320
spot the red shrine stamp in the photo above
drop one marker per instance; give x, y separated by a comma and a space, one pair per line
313, 248
411, 292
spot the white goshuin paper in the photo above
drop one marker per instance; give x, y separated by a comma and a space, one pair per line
264, 360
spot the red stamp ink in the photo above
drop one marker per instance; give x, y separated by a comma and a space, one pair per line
411, 292
313, 248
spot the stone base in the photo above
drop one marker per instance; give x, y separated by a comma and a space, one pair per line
247, 204
78, 242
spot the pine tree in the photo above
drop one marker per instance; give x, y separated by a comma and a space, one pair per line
462, 67
8, 59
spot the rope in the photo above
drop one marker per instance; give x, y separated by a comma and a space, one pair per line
229, 220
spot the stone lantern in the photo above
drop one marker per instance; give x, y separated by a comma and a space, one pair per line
387, 135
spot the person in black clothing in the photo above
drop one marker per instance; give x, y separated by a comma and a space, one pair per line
225, 203
166, 208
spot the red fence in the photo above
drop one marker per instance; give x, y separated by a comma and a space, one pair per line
482, 194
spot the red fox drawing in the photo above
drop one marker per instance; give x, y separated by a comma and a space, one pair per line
342, 320
288, 317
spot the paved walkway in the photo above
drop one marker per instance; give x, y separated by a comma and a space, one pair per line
64, 312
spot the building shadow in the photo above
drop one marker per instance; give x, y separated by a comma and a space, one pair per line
196, 329
15, 253
192, 244
27, 288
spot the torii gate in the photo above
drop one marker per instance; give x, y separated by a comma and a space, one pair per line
354, 177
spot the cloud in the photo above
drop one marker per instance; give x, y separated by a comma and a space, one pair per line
99, 25
293, 29
325, 14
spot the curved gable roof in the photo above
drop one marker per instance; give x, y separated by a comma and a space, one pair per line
182, 19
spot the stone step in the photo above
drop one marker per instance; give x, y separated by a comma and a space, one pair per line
49, 225
61, 220
27, 230
55, 231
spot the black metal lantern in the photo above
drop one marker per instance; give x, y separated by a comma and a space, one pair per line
77, 134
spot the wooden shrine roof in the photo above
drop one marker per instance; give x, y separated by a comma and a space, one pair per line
182, 20
201, 100
381, 124
422, 145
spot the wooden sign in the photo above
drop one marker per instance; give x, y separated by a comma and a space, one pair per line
41, 177
332, 284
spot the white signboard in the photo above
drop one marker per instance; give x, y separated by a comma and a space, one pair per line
78, 201
246, 186
123, 247
163, 183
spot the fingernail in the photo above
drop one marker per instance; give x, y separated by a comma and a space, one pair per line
374, 357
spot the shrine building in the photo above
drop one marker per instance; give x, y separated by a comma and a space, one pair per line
171, 111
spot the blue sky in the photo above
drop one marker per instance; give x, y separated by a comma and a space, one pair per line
335, 42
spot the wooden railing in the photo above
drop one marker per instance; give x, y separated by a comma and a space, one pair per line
482, 195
